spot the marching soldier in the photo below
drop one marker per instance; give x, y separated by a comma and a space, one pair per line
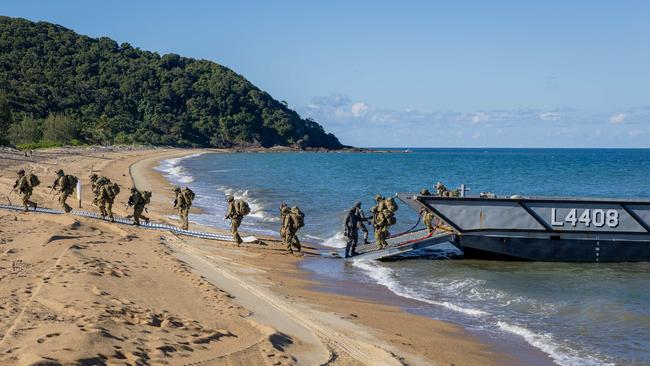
294, 219
183, 202
139, 201
66, 184
236, 211
106, 198
25, 185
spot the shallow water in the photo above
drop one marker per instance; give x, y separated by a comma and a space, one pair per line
580, 314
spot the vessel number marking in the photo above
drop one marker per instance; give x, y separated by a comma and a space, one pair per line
588, 217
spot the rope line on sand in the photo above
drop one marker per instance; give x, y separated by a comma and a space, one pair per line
125, 221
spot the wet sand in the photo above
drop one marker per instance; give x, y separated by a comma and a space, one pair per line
79, 290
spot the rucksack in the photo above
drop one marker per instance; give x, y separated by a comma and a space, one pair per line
389, 217
112, 189
71, 182
242, 207
390, 204
146, 197
33, 180
188, 195
298, 218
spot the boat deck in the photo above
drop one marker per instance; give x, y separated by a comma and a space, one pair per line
404, 243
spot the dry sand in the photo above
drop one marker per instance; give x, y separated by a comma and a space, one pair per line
75, 290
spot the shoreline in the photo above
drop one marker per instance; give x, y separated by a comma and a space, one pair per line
137, 293
377, 294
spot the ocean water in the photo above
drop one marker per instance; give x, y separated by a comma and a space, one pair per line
578, 314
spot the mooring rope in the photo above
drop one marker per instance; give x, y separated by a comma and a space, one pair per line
125, 221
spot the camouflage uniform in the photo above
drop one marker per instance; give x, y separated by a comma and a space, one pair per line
183, 205
106, 200
289, 226
102, 196
235, 219
361, 218
138, 202
427, 219
64, 190
24, 189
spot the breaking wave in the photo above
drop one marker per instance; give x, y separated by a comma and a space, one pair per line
385, 276
176, 173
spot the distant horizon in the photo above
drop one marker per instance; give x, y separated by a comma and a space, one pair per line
406, 74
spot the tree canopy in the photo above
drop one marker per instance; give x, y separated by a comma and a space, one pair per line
73, 87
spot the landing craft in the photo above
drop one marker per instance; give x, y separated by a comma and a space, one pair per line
552, 229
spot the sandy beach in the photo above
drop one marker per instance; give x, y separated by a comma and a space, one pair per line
76, 290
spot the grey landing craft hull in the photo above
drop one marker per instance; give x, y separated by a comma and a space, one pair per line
554, 229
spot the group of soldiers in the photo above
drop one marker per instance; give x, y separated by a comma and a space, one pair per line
383, 217
291, 219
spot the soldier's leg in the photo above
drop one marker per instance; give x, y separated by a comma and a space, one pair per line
28, 195
378, 237
185, 212
25, 200
62, 198
365, 232
234, 226
296, 242
348, 246
289, 240
137, 211
109, 210
102, 207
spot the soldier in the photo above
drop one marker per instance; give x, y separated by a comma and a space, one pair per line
350, 231
183, 202
106, 198
25, 185
380, 202
66, 185
441, 190
361, 218
427, 216
100, 200
236, 211
139, 201
293, 221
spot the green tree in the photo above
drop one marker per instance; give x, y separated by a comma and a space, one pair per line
28, 130
60, 128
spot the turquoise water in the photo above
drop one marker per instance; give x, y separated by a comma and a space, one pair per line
579, 314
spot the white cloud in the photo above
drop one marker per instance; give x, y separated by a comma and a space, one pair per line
478, 117
549, 116
359, 109
360, 123
617, 118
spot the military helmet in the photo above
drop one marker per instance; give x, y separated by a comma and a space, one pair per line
357, 204
177, 189
230, 198
20, 172
133, 189
94, 177
59, 172
378, 197
425, 192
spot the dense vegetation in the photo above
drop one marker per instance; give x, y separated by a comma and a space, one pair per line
62, 87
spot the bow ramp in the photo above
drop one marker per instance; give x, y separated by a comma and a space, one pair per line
404, 243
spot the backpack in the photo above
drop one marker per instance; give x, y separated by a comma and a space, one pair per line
33, 180
298, 218
112, 189
389, 217
390, 204
242, 208
146, 197
189, 195
71, 182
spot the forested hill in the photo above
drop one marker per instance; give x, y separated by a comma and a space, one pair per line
61, 87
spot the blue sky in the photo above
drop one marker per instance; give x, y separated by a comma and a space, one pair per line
412, 73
